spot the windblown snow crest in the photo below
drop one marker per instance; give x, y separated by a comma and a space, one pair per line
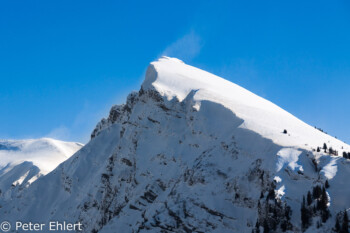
192, 152
24, 161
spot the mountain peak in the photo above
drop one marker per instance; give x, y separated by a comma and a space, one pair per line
189, 152
172, 78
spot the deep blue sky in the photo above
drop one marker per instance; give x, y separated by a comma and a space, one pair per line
64, 63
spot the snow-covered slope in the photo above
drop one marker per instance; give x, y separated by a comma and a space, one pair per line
23, 161
192, 152
174, 79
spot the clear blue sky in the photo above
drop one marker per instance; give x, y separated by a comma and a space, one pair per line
64, 63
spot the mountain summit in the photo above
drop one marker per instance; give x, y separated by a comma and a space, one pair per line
172, 78
192, 152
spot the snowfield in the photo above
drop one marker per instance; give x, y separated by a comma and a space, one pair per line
24, 161
192, 152
174, 79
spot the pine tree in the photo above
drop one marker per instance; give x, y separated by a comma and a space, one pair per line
323, 201
325, 215
324, 198
325, 147
271, 194
326, 184
305, 215
316, 192
322, 205
266, 227
288, 213
257, 227
344, 227
284, 225
318, 149
309, 198
337, 226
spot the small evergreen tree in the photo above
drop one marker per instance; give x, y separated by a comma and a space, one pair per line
326, 184
305, 215
257, 227
316, 192
325, 147
309, 198
323, 201
325, 215
324, 197
344, 227
337, 226
288, 213
271, 194
266, 227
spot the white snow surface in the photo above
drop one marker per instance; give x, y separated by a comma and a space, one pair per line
189, 152
174, 79
23, 161
45, 153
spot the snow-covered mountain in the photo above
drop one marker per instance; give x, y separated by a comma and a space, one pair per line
192, 152
24, 161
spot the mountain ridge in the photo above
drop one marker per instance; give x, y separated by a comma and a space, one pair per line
176, 157
172, 78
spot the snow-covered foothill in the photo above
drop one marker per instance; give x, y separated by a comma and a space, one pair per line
24, 161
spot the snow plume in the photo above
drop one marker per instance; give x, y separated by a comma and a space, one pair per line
60, 133
186, 48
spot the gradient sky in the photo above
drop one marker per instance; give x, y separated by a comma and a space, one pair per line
63, 64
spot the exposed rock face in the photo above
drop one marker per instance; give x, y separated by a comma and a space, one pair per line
115, 114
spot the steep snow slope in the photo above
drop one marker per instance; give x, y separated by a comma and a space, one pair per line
174, 79
23, 161
191, 152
